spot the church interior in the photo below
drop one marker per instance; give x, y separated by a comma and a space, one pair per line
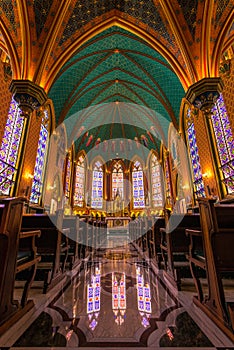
116, 174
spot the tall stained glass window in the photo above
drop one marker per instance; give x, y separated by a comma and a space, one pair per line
97, 186
9, 152
67, 179
79, 182
138, 186
195, 160
224, 142
156, 179
168, 182
117, 180
37, 183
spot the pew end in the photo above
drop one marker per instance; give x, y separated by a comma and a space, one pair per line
17, 253
215, 257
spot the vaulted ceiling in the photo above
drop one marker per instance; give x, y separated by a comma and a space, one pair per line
116, 64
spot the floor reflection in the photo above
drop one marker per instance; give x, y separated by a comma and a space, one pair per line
115, 302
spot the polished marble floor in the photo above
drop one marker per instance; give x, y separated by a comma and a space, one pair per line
117, 298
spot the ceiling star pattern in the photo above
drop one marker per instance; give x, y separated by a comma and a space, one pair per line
86, 11
222, 5
190, 14
41, 10
7, 7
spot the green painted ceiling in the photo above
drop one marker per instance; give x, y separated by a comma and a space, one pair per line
117, 78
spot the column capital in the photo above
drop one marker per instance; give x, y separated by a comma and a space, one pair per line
28, 95
204, 93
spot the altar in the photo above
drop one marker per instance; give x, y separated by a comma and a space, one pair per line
117, 221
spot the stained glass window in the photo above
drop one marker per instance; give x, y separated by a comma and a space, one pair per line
138, 186
10, 148
67, 179
97, 186
37, 184
168, 182
224, 142
195, 160
79, 182
156, 178
117, 180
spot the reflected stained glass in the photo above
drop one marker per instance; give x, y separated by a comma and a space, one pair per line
143, 298
196, 167
94, 299
37, 184
97, 186
119, 303
79, 183
138, 186
224, 142
9, 151
156, 178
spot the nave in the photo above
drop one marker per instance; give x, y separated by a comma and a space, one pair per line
114, 298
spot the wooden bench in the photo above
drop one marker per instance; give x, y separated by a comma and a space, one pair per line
216, 258
52, 245
74, 239
17, 253
174, 245
159, 222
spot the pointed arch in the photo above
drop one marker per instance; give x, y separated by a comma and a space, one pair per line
80, 179
157, 182
97, 167
47, 80
138, 190
11, 49
221, 43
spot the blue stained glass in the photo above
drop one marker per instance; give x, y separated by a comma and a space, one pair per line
224, 142
97, 186
37, 183
9, 151
137, 183
196, 168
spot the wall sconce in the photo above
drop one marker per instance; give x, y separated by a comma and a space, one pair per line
28, 176
49, 187
206, 175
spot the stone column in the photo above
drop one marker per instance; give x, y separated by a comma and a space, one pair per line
28, 95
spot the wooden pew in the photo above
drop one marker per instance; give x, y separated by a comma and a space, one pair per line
74, 239
141, 233
52, 245
159, 222
174, 245
17, 253
217, 235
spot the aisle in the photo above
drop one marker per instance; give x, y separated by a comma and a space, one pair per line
115, 300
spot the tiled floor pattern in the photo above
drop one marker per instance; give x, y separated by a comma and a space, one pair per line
115, 300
